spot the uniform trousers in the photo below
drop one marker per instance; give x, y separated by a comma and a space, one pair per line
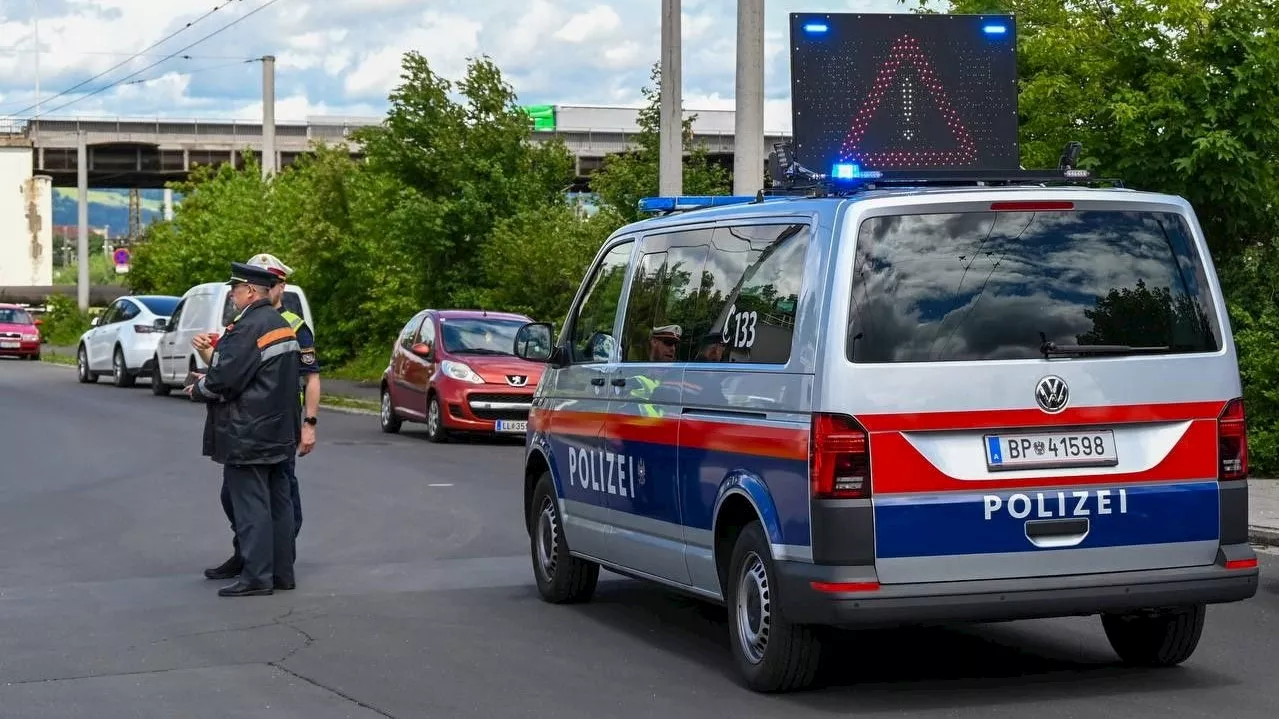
290, 465
262, 514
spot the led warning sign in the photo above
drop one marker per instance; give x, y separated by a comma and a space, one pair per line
901, 92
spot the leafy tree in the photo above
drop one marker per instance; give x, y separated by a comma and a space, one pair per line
625, 179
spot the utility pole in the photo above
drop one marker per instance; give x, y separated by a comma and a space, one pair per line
35, 25
670, 125
82, 245
748, 116
268, 116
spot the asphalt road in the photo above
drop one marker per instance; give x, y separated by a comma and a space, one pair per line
415, 599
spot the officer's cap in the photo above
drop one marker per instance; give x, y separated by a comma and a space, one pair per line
667, 331
272, 264
242, 273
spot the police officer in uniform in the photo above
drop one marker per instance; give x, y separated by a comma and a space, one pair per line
309, 374
252, 429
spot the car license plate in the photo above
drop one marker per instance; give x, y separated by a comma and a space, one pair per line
10, 345
506, 425
1051, 450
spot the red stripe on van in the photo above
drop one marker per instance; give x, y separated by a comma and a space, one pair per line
702, 434
897, 467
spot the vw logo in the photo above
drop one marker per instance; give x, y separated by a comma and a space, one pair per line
1052, 394
517, 380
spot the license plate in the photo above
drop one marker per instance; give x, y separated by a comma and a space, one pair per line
10, 345
1051, 450
505, 425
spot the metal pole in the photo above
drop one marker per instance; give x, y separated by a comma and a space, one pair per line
670, 125
82, 246
35, 21
168, 204
748, 117
268, 116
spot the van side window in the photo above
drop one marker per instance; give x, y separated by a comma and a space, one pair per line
662, 316
591, 324
752, 285
176, 317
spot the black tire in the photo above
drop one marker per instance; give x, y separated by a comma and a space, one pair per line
783, 656
35, 357
83, 373
561, 577
436, 431
387, 415
158, 387
120, 376
1156, 639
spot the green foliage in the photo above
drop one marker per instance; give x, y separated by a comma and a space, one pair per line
63, 322
625, 179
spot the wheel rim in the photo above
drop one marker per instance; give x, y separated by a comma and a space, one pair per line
386, 409
548, 537
82, 363
753, 612
117, 366
433, 417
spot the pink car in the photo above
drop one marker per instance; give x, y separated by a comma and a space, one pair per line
19, 333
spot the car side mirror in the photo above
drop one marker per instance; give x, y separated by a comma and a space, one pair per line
533, 342
94, 322
422, 349
37, 323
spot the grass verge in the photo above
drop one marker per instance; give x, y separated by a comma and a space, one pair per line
54, 358
341, 402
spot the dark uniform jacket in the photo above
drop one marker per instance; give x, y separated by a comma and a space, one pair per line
251, 390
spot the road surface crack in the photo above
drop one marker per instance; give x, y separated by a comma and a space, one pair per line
337, 692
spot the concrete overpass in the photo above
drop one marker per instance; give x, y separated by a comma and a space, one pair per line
147, 153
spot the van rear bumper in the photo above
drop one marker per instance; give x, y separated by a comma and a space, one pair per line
1005, 599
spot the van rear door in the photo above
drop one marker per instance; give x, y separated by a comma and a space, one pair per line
1045, 386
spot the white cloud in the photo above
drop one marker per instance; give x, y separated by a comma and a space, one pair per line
600, 20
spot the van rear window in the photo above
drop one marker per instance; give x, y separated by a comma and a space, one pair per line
995, 285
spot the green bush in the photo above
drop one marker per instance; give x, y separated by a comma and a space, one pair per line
63, 322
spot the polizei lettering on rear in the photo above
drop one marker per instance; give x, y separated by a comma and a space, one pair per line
1051, 505
604, 472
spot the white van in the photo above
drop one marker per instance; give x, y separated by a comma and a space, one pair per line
204, 308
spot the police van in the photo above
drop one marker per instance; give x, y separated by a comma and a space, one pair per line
908, 402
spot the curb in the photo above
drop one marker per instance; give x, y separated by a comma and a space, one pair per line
1265, 536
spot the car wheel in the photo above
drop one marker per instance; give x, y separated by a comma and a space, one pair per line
771, 653
158, 387
82, 367
436, 431
1155, 639
561, 577
387, 416
119, 370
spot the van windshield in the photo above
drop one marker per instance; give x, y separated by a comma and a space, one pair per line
1003, 285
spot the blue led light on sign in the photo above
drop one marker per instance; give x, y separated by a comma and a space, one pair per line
994, 29
815, 27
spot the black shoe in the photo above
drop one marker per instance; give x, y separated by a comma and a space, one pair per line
284, 586
240, 589
229, 569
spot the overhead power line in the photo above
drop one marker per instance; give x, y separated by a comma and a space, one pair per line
126, 61
197, 71
166, 58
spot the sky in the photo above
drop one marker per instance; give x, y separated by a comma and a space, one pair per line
342, 57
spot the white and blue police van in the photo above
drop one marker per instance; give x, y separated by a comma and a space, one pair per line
905, 401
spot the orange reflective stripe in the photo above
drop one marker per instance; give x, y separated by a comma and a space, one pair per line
274, 335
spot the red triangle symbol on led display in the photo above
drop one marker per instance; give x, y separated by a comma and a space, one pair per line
906, 51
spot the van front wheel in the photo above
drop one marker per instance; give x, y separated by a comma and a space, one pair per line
561, 577
1155, 639
771, 653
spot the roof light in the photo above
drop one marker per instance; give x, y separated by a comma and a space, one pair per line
852, 171
815, 27
690, 202
994, 29
1032, 206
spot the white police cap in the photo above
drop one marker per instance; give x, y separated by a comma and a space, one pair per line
271, 263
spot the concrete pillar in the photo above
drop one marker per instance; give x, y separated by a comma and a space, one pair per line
39, 235
670, 143
748, 118
26, 217
168, 204
82, 243
268, 116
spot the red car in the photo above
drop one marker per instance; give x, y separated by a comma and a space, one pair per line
454, 371
19, 333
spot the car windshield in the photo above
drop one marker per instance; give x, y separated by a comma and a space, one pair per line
14, 316
480, 336
1024, 285
162, 306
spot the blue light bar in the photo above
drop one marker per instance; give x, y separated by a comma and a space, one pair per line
851, 171
995, 29
815, 27
689, 202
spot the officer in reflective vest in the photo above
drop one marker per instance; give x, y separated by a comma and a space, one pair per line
309, 400
662, 348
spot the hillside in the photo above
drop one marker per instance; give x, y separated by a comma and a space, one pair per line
108, 208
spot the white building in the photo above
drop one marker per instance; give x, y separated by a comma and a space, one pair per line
26, 218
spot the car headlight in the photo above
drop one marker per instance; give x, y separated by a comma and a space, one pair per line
31, 338
460, 372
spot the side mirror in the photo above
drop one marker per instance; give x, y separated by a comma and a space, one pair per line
94, 322
37, 323
533, 342
422, 349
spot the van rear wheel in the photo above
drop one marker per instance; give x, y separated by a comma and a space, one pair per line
771, 653
1155, 639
